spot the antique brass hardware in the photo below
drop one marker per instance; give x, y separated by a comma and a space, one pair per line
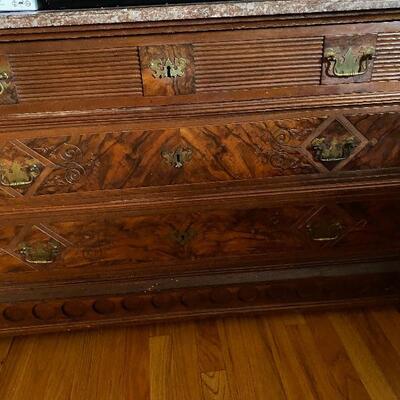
325, 231
165, 68
326, 150
178, 157
40, 253
3, 85
351, 63
15, 174
183, 237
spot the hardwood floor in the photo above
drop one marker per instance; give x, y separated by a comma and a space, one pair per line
333, 355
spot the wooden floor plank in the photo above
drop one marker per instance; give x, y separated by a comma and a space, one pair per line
335, 356
186, 383
5, 347
236, 360
209, 347
309, 354
160, 367
298, 385
370, 374
215, 386
382, 350
264, 373
389, 321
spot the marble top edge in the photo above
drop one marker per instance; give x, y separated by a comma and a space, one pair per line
186, 12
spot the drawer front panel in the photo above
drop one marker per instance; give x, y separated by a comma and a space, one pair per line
189, 64
278, 235
273, 149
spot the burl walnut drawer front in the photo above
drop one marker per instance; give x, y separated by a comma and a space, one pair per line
210, 238
193, 64
275, 149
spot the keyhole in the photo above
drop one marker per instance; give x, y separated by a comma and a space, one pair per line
178, 160
169, 71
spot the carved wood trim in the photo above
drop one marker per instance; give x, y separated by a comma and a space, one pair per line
150, 306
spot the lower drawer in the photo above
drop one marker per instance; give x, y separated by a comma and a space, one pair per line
204, 239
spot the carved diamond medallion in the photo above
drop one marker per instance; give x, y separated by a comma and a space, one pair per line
19, 170
328, 224
334, 143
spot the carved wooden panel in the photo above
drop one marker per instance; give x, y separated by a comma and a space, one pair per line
8, 91
167, 70
348, 59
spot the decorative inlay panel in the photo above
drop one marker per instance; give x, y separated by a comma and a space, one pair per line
335, 143
327, 225
8, 92
348, 59
167, 70
18, 170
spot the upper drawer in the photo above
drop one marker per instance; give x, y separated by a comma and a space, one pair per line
135, 69
305, 148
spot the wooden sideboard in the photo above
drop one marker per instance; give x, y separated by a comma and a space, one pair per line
173, 169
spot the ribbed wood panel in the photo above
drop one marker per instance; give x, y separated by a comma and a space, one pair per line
78, 73
258, 63
387, 61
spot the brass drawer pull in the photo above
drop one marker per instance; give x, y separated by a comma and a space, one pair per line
326, 150
40, 253
325, 232
165, 68
178, 157
3, 84
350, 64
17, 175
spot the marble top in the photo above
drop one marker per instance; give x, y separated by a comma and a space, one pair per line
186, 11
